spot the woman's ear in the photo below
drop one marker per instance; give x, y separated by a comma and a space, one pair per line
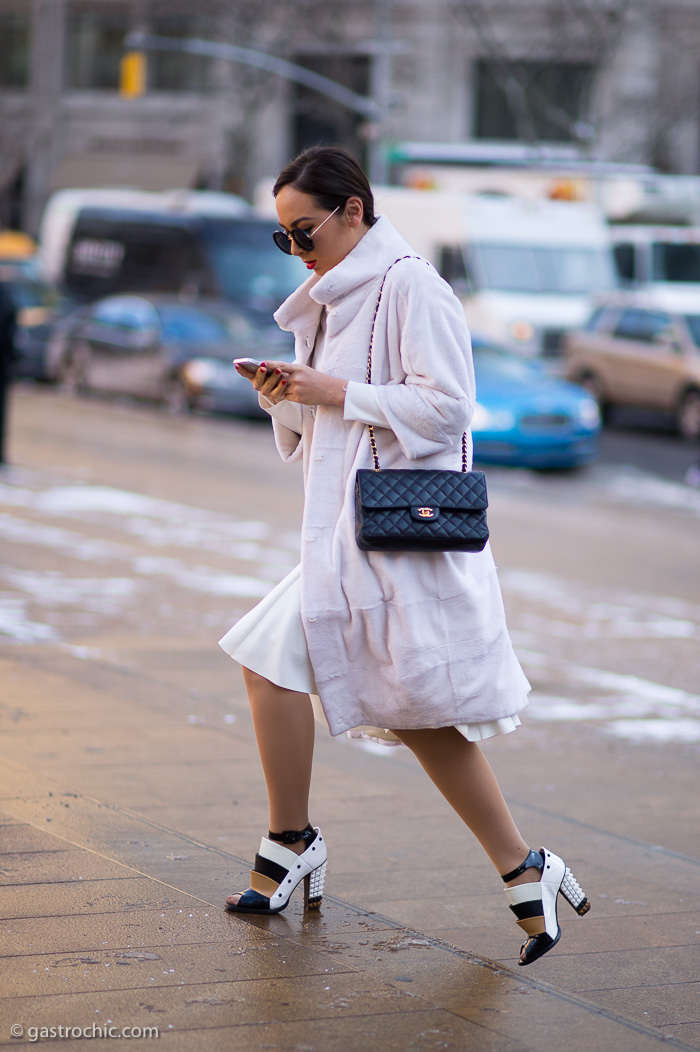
354, 211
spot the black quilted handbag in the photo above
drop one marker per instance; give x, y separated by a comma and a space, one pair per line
418, 510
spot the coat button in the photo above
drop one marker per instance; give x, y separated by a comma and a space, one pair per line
310, 537
319, 456
312, 619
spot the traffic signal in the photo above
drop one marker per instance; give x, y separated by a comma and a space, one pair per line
132, 75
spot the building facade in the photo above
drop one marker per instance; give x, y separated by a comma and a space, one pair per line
616, 79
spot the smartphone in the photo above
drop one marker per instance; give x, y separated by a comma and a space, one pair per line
248, 364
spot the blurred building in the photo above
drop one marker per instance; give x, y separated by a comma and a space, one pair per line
617, 79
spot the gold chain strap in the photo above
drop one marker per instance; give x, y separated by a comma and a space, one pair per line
372, 439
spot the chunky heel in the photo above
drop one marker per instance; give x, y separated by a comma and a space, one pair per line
573, 893
535, 903
278, 872
313, 887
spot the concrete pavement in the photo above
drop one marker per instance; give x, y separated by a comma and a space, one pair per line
120, 839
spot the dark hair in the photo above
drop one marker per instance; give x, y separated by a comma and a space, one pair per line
331, 175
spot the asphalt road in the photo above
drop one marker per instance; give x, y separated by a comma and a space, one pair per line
647, 441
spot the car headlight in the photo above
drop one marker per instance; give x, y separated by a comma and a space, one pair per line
522, 331
589, 414
200, 371
492, 419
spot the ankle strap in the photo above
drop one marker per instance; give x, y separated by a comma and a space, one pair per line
534, 860
293, 836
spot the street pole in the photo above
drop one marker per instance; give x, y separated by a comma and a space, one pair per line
46, 86
380, 92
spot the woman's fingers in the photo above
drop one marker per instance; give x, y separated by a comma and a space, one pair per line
268, 378
297, 383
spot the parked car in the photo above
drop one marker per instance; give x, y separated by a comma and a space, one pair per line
158, 347
38, 305
527, 417
643, 352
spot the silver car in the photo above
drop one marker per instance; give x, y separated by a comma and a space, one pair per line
160, 348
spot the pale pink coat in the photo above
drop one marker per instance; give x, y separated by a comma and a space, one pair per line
400, 640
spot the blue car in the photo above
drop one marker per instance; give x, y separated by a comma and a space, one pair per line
528, 418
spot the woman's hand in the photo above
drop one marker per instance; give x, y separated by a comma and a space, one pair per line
310, 387
296, 383
267, 379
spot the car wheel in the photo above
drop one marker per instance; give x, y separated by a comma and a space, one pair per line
592, 383
72, 372
688, 415
175, 397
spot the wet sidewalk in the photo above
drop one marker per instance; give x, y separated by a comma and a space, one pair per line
130, 805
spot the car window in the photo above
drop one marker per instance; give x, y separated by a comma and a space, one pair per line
575, 270
658, 323
138, 313
692, 321
511, 268
544, 268
132, 320
599, 320
624, 262
452, 265
675, 262
644, 326
248, 268
127, 313
108, 312
498, 364
185, 324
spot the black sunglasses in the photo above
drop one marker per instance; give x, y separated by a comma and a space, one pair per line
305, 242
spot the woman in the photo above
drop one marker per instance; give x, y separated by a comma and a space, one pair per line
407, 647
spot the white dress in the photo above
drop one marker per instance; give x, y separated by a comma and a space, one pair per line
270, 640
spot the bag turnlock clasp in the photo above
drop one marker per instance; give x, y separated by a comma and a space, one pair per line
425, 514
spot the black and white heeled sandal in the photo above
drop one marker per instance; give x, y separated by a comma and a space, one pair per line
535, 904
279, 871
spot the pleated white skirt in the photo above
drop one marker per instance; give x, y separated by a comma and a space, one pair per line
270, 640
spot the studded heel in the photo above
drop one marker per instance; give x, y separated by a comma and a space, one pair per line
535, 904
278, 871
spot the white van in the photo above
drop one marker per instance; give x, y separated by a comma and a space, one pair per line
526, 271
64, 206
99, 243
664, 260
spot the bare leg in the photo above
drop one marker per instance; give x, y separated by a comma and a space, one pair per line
284, 729
463, 775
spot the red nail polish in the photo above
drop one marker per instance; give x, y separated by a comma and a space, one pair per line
263, 365
284, 382
278, 371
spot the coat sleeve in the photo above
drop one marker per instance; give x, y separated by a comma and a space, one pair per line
434, 405
286, 426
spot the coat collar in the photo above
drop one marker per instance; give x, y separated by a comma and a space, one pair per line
369, 259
